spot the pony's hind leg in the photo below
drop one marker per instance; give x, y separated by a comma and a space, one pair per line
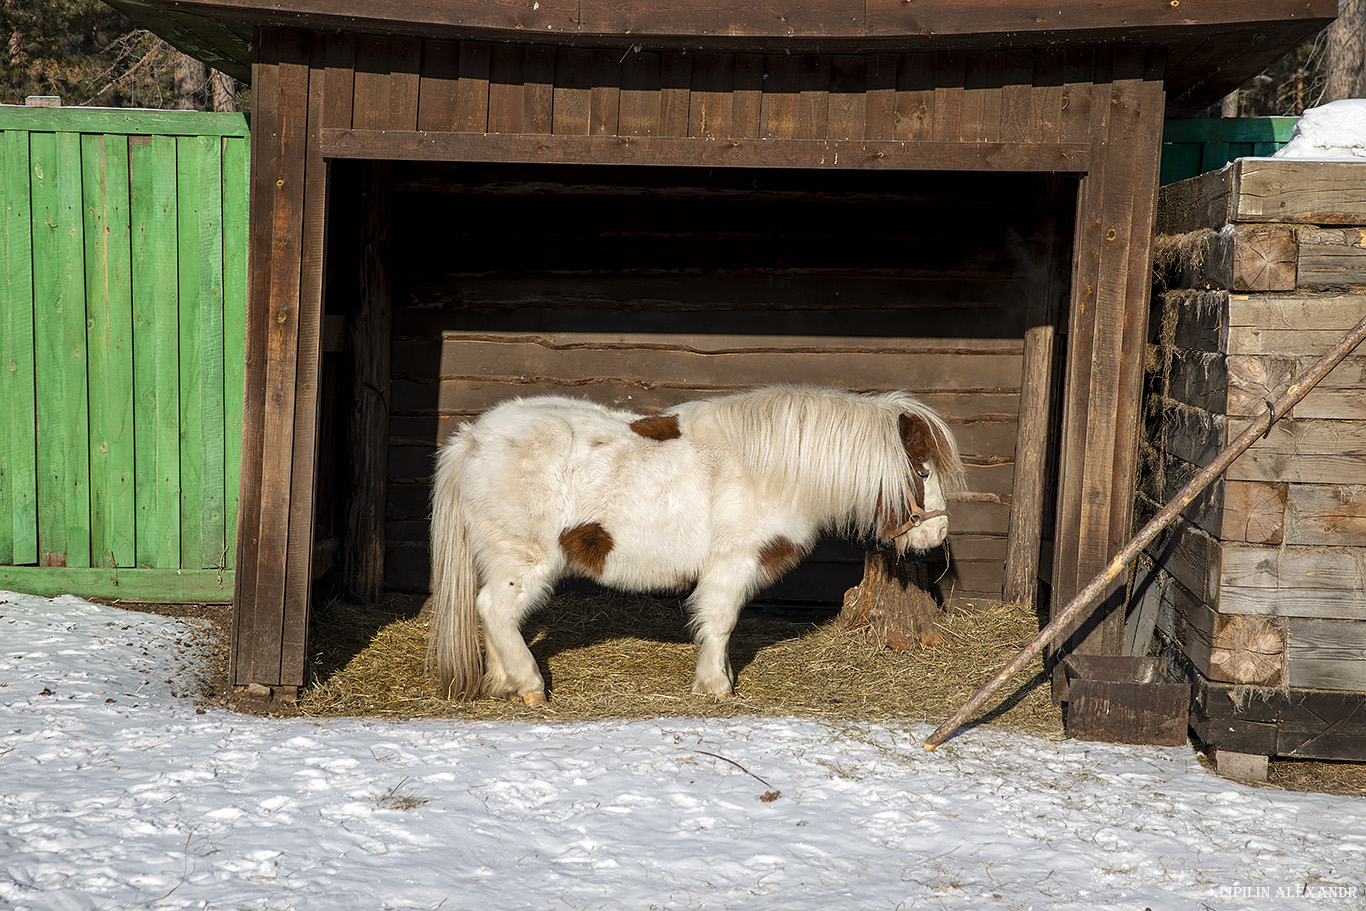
510, 670
715, 605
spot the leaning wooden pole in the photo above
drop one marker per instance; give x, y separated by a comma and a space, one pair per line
1084, 598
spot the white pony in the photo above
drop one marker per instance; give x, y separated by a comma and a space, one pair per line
722, 495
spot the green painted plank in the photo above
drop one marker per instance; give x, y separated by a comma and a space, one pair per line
109, 304
159, 586
209, 326
236, 160
49, 347
75, 413
18, 398
129, 122
156, 402
1229, 129
190, 195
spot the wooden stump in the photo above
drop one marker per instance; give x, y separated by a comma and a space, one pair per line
893, 603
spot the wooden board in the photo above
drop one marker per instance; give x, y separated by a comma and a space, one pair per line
1288, 191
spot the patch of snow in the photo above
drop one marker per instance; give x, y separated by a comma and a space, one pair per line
116, 794
1334, 131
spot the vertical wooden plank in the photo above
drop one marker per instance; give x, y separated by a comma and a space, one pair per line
778, 111
209, 326
305, 147
950, 71
506, 95
640, 94
1141, 100
472, 101
605, 101
156, 417
880, 109
368, 429
916, 97
439, 87
538, 79
63, 404
252, 618
1087, 77
1018, 123
18, 395
1046, 100
339, 103
675, 93
982, 98
190, 194
372, 83
573, 91
236, 158
163, 255
76, 405
109, 302
1109, 320
405, 68
848, 100
1050, 250
748, 96
813, 99
710, 114
47, 334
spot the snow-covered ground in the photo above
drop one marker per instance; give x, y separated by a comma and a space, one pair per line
117, 793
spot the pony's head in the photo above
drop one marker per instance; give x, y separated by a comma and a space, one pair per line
936, 470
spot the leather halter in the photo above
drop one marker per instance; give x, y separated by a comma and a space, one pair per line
918, 514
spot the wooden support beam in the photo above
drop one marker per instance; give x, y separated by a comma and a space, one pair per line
844, 154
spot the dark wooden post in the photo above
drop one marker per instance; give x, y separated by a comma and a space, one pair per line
283, 338
368, 444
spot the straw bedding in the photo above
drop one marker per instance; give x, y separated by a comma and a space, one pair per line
608, 655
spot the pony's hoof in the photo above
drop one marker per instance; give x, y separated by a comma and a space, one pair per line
537, 698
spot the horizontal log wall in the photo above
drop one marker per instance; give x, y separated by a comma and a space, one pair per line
1261, 582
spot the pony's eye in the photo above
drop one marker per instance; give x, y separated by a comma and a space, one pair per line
923, 472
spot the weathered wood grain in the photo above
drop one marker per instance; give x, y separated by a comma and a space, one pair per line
1327, 655
1326, 514
1299, 192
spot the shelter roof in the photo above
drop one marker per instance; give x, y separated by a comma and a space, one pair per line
1213, 45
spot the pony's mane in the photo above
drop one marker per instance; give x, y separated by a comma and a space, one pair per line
832, 452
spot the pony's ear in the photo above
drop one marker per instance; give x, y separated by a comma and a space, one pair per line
917, 437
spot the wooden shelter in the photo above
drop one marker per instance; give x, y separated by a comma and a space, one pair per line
458, 200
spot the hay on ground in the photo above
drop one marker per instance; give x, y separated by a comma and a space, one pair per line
609, 655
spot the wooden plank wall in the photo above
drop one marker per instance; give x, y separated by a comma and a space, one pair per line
1261, 583
124, 305
667, 286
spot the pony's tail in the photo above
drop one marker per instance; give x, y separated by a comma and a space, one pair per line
453, 647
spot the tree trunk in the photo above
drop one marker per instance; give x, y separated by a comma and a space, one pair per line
224, 91
190, 78
893, 604
1345, 56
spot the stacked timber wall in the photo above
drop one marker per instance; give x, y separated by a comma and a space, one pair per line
122, 319
1262, 584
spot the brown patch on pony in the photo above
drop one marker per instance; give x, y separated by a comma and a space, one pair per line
659, 427
587, 547
778, 556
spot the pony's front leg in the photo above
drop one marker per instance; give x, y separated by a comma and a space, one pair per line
510, 669
715, 605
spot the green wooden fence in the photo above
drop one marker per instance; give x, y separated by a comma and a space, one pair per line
122, 305
1192, 147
